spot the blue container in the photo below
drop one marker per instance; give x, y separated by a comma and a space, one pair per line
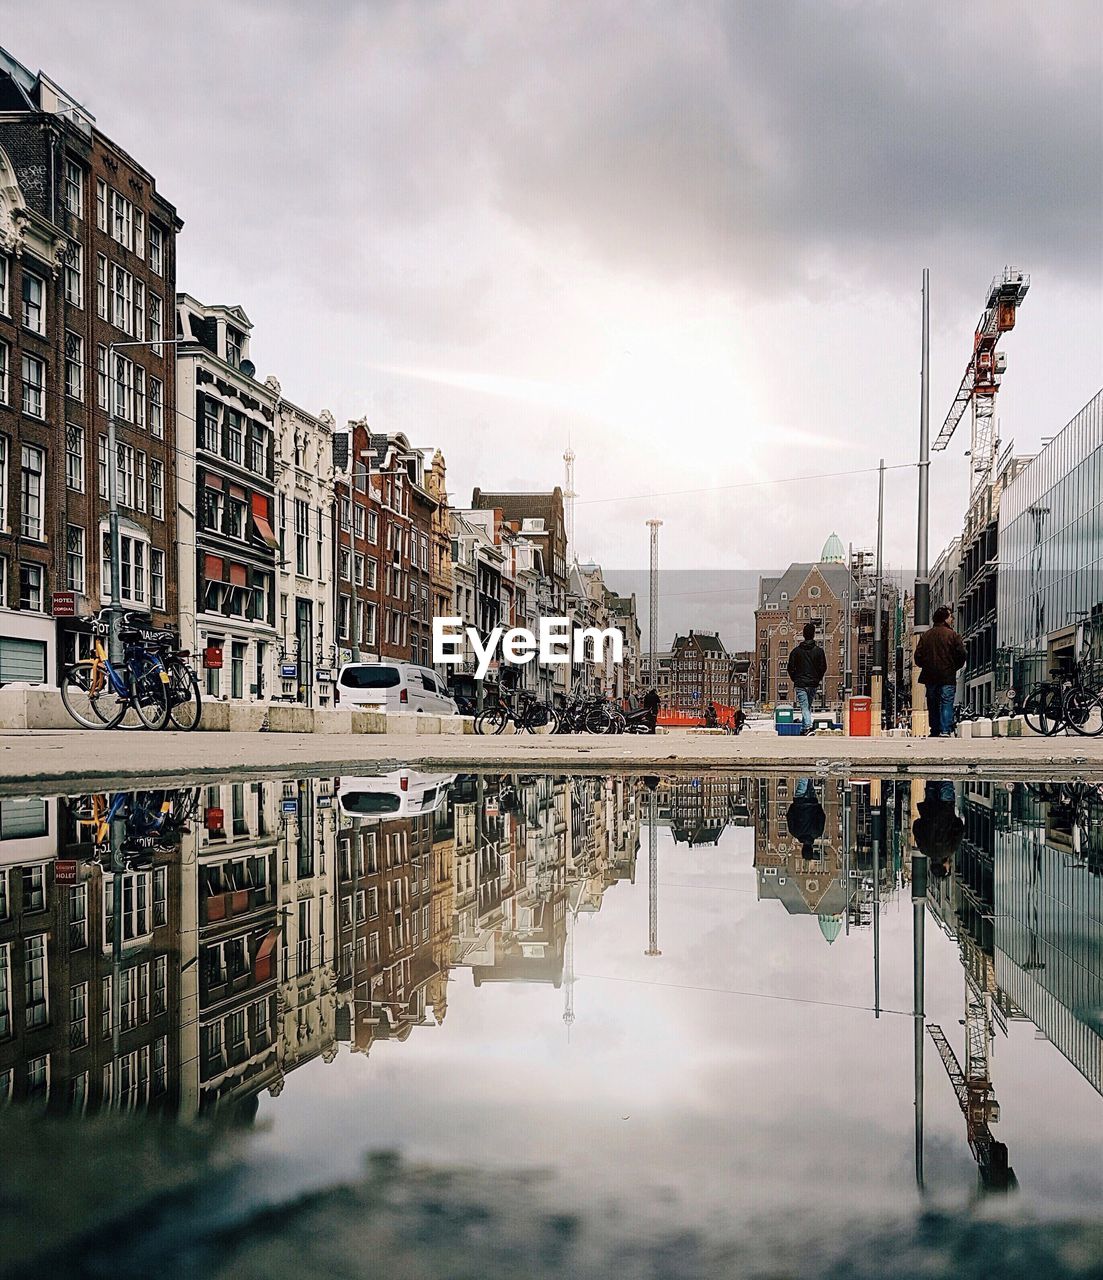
789, 730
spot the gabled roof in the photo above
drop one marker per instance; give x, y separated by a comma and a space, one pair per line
708, 642
837, 578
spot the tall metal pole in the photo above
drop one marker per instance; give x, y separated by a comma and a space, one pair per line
114, 643
922, 602
653, 626
919, 900
877, 676
652, 878
117, 836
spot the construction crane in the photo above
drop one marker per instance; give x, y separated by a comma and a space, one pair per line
984, 370
975, 1095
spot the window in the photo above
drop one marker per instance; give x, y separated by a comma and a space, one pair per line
34, 888
156, 489
78, 917
346, 513
237, 670
3, 894
101, 376
208, 427
233, 435
156, 578
123, 387
74, 365
360, 518
302, 537
34, 981
155, 249
258, 450
235, 518
5, 991
139, 396
137, 921
30, 588
372, 573
5, 364
102, 466
344, 560
74, 557
34, 387
30, 492
5, 277
132, 563
34, 302
156, 321
160, 895
74, 274
156, 408
344, 617
373, 527
72, 191
122, 299
359, 569
233, 347
78, 1015
101, 204
124, 474
368, 640
160, 985
120, 218
38, 1078
139, 481
101, 286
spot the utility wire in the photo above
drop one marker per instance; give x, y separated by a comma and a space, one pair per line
749, 484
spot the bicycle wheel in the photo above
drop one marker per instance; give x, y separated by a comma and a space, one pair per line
599, 720
1084, 712
1040, 713
494, 720
540, 718
149, 700
90, 698
185, 702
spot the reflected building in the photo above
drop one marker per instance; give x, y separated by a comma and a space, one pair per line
697, 810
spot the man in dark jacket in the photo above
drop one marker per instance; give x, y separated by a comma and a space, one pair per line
938, 829
805, 817
807, 666
940, 655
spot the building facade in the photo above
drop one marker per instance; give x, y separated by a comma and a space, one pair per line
87, 260
306, 659
1051, 553
228, 546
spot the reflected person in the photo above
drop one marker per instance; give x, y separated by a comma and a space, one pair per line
805, 817
938, 829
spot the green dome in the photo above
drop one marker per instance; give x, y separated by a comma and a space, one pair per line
832, 552
829, 927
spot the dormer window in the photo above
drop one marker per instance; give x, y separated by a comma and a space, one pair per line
234, 342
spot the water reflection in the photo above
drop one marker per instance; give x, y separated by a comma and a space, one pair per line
184, 951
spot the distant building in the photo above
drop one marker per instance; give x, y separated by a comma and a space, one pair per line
702, 671
542, 519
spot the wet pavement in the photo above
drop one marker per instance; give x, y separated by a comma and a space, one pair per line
435, 1024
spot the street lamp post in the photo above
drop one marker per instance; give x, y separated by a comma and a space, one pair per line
877, 679
921, 604
114, 642
653, 590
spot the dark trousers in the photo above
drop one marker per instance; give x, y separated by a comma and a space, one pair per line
940, 709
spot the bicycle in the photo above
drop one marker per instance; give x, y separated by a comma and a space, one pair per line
530, 716
98, 695
1065, 702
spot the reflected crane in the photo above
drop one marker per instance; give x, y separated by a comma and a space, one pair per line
973, 1088
983, 372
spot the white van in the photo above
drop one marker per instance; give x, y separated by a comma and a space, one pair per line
403, 794
394, 686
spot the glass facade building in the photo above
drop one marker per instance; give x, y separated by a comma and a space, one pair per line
1051, 548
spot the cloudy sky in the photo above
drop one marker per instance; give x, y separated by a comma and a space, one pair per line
688, 238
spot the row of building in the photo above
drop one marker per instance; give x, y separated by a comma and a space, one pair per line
280, 543
274, 921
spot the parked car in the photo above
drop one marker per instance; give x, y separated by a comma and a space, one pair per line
394, 686
402, 794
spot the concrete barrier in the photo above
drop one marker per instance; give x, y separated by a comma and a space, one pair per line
290, 717
427, 724
332, 719
216, 717
981, 728
368, 720
402, 722
468, 724
965, 729
452, 724
244, 717
32, 706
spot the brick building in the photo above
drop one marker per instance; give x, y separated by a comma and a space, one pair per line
87, 259
540, 517
701, 671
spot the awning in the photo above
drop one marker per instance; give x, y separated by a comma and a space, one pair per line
264, 531
238, 575
212, 568
212, 482
267, 946
236, 491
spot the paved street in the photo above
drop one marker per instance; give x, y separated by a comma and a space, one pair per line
64, 758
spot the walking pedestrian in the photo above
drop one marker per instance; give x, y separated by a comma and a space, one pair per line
940, 655
807, 666
651, 705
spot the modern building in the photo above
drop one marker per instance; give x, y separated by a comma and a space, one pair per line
306, 657
227, 554
1051, 553
87, 260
